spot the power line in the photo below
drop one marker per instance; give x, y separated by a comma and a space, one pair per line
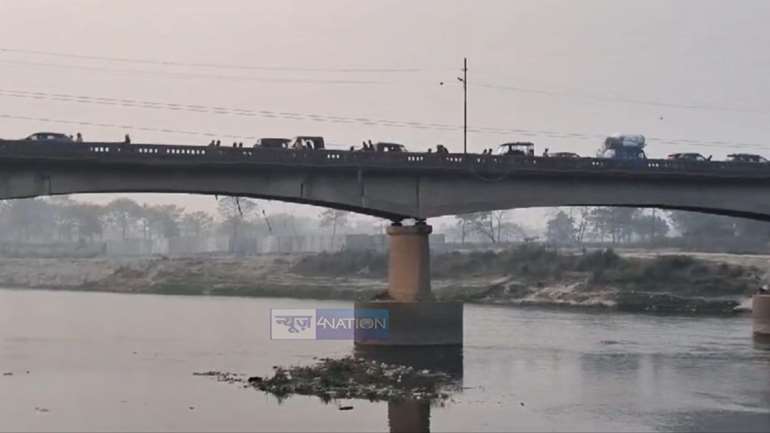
177, 74
622, 100
195, 74
348, 69
125, 127
352, 69
315, 117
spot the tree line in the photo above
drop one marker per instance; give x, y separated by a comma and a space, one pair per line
623, 225
62, 219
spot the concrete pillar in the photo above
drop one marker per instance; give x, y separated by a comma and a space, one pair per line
409, 416
414, 319
409, 263
760, 311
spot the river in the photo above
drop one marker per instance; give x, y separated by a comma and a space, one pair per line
105, 362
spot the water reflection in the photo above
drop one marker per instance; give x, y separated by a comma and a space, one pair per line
409, 416
414, 415
762, 342
448, 360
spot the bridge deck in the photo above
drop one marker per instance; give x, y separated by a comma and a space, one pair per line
421, 163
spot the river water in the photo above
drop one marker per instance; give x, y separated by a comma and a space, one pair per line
97, 361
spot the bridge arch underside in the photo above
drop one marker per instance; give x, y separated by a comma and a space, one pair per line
397, 194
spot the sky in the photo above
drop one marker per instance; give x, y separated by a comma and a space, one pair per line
691, 75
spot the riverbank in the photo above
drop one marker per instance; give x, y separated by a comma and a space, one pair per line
528, 275
535, 275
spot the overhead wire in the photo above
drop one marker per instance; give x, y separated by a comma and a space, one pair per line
125, 126
176, 63
622, 100
317, 69
184, 75
316, 117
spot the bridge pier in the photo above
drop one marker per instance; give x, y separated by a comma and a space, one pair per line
414, 317
760, 311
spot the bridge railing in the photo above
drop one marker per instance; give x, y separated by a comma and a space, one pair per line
339, 158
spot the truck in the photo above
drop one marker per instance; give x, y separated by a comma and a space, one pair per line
621, 146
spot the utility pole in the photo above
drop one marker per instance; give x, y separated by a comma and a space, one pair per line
464, 80
465, 105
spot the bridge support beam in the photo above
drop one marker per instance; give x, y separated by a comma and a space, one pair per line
760, 311
414, 317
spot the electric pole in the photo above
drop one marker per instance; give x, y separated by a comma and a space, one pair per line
465, 105
464, 80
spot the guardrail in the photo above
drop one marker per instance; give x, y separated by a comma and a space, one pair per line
333, 158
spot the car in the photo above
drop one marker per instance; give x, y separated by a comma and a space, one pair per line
382, 146
519, 148
746, 157
49, 137
273, 143
563, 155
688, 157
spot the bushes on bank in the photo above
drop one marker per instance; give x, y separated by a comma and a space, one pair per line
680, 274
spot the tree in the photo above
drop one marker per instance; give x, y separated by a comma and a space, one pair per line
584, 221
561, 229
123, 213
464, 224
483, 224
196, 224
87, 220
236, 213
650, 227
617, 222
64, 221
698, 229
334, 219
162, 220
490, 226
29, 218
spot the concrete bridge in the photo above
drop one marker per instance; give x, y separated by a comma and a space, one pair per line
395, 186
388, 185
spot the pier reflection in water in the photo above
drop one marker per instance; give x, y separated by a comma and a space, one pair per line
762, 342
414, 415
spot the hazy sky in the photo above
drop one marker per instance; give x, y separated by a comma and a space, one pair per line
560, 73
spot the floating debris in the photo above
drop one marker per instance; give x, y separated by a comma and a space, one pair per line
350, 378
222, 376
8, 374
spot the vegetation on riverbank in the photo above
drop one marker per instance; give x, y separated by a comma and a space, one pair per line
525, 275
529, 274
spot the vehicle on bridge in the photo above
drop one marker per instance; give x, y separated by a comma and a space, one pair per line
382, 146
273, 143
688, 157
563, 155
50, 137
518, 148
623, 147
746, 157
307, 142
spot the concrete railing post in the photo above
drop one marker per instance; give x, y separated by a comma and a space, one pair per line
414, 318
760, 311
